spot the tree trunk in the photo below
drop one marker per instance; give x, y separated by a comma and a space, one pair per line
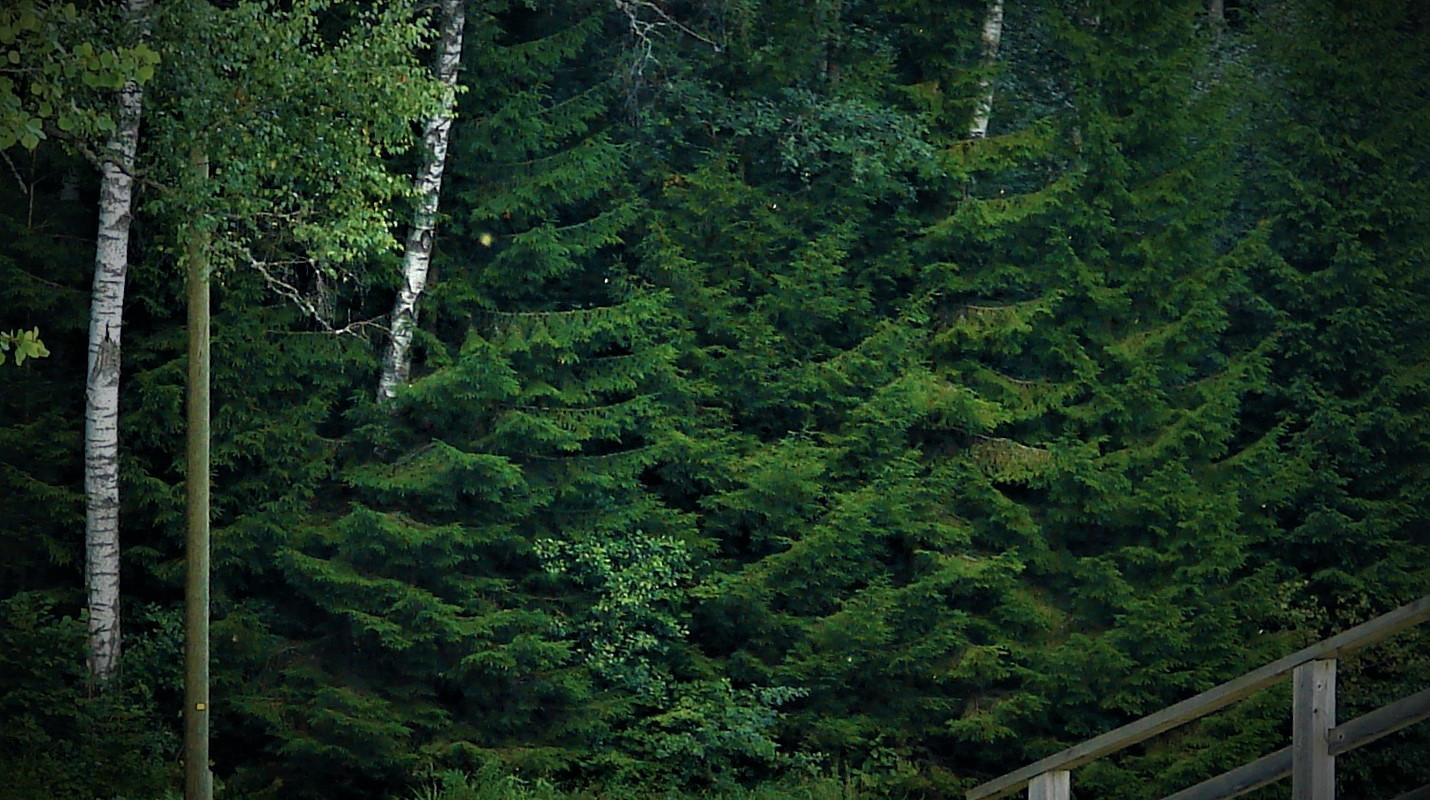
992, 35
101, 416
417, 254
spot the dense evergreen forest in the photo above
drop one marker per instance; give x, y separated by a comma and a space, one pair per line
820, 399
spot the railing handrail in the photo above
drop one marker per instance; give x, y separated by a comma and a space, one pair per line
1215, 699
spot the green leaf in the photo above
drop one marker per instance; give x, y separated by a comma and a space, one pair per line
28, 345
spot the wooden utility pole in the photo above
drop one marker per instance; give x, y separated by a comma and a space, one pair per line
198, 781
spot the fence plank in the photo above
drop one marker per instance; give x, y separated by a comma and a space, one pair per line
1234, 783
1214, 699
1385, 720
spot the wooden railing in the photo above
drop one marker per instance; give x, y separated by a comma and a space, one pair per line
1316, 739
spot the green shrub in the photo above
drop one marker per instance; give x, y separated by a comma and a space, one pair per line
60, 739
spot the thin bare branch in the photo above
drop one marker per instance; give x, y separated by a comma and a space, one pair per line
24, 187
296, 296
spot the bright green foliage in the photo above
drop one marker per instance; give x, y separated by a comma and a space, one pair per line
25, 344
59, 65
296, 108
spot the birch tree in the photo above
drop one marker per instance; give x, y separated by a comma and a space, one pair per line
101, 417
992, 35
417, 250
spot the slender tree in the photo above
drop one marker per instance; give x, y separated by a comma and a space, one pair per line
101, 415
992, 36
417, 252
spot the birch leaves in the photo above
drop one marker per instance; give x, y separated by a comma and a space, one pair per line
59, 67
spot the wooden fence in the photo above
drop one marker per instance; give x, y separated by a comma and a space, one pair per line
1316, 739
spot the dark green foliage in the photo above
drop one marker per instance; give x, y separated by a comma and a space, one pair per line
1345, 191
1341, 176
767, 437
42, 265
62, 740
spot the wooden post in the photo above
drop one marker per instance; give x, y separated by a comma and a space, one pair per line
1313, 715
1054, 785
198, 781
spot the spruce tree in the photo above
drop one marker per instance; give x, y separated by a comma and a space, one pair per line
1090, 320
493, 579
1340, 181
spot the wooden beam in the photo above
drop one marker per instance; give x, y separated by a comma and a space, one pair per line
1215, 699
1343, 738
1423, 793
1055, 785
1383, 721
1313, 714
1248, 777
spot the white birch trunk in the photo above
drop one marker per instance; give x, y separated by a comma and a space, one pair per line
101, 417
417, 253
992, 35
1216, 11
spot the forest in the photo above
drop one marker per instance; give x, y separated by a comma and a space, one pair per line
726, 399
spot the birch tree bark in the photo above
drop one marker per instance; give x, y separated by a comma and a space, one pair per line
417, 251
992, 35
101, 418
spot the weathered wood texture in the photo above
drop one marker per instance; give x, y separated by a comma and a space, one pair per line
1343, 739
1363, 635
1359, 732
1383, 721
1313, 714
198, 780
1248, 777
1055, 785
